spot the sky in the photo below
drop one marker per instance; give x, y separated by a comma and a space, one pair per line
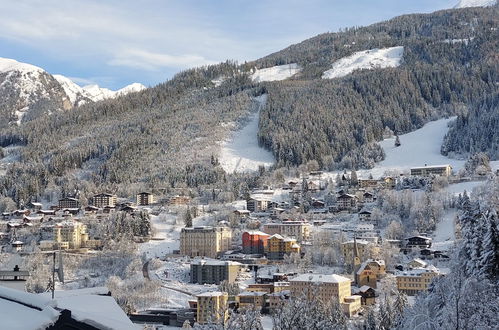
113, 43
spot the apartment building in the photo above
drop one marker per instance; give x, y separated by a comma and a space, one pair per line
214, 271
212, 307
145, 198
69, 203
279, 246
70, 234
414, 281
104, 200
254, 242
299, 230
257, 204
251, 300
354, 248
205, 241
438, 170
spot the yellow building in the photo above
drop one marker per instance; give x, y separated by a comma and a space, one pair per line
251, 300
70, 234
324, 287
414, 281
296, 229
212, 307
348, 249
351, 305
205, 241
278, 246
369, 272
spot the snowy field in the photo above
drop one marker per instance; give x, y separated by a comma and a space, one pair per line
166, 236
242, 152
367, 59
276, 73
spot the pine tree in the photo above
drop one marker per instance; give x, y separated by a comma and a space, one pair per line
397, 141
489, 260
353, 179
188, 218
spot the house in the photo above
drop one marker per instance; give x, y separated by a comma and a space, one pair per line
368, 183
254, 242
369, 272
279, 246
242, 214
414, 281
104, 200
417, 263
17, 246
437, 170
212, 307
205, 271
205, 241
36, 206
351, 305
365, 215
68, 203
368, 295
368, 197
146, 198
421, 242
354, 248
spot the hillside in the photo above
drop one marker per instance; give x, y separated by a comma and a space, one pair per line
170, 135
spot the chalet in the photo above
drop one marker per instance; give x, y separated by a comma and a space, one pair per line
318, 204
70, 210
437, 170
369, 272
368, 294
36, 206
388, 182
421, 242
368, 197
346, 202
129, 209
365, 215
17, 246
21, 213
145, 198
242, 213
46, 212
368, 183
90, 209
68, 203
417, 263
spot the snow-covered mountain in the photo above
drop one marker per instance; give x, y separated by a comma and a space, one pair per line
475, 3
27, 91
275, 73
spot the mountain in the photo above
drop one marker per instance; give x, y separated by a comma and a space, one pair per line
394, 75
28, 91
475, 3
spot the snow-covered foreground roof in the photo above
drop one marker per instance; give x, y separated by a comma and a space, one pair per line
22, 310
275, 73
366, 59
475, 3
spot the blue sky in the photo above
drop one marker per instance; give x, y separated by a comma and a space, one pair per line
116, 42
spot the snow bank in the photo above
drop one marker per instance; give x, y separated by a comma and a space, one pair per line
475, 3
367, 59
242, 153
275, 73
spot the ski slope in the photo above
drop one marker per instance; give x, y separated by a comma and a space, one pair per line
275, 73
475, 3
367, 59
242, 153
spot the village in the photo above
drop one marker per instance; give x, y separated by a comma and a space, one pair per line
317, 236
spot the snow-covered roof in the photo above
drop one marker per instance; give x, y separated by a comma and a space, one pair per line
319, 278
430, 166
211, 294
418, 271
364, 288
257, 232
214, 262
22, 310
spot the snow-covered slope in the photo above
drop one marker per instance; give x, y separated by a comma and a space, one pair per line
367, 59
475, 3
279, 72
242, 153
417, 149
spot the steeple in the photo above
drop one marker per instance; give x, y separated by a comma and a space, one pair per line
356, 257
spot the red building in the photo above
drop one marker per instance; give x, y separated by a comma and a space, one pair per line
255, 242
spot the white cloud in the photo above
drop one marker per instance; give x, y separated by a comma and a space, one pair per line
142, 59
